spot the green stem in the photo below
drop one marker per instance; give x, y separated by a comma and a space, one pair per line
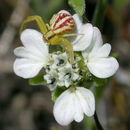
75, 126
99, 126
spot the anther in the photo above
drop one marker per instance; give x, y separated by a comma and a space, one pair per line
61, 61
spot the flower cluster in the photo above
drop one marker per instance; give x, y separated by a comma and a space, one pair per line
59, 72
90, 56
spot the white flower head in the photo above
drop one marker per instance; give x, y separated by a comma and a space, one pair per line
67, 75
73, 104
97, 58
33, 56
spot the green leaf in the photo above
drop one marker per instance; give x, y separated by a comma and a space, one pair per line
58, 92
115, 55
98, 18
78, 6
37, 80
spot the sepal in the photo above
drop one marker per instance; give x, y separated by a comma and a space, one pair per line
58, 91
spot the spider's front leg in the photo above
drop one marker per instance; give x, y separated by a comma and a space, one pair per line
38, 20
67, 45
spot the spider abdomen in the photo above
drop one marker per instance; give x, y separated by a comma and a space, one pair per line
62, 24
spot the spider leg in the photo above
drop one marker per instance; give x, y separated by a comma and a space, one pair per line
67, 45
72, 34
48, 27
38, 20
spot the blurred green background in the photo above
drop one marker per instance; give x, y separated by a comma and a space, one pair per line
26, 107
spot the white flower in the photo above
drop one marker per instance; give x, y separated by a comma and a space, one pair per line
64, 73
51, 78
73, 104
67, 75
59, 60
97, 58
33, 56
80, 42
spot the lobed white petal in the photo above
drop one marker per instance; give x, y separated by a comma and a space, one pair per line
83, 41
96, 57
33, 42
97, 39
95, 44
104, 51
86, 99
27, 68
22, 52
33, 56
64, 108
79, 115
78, 21
103, 67
101, 52
71, 105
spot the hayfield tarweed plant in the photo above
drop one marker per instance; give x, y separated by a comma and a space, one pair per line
81, 58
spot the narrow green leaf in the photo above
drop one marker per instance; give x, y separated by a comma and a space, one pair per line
78, 6
98, 18
37, 80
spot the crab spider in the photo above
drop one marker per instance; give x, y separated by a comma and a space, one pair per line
55, 32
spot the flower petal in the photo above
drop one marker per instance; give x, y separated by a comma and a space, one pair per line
83, 41
33, 41
22, 52
33, 56
87, 101
27, 68
103, 51
97, 38
103, 67
95, 44
79, 115
64, 11
78, 21
64, 108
